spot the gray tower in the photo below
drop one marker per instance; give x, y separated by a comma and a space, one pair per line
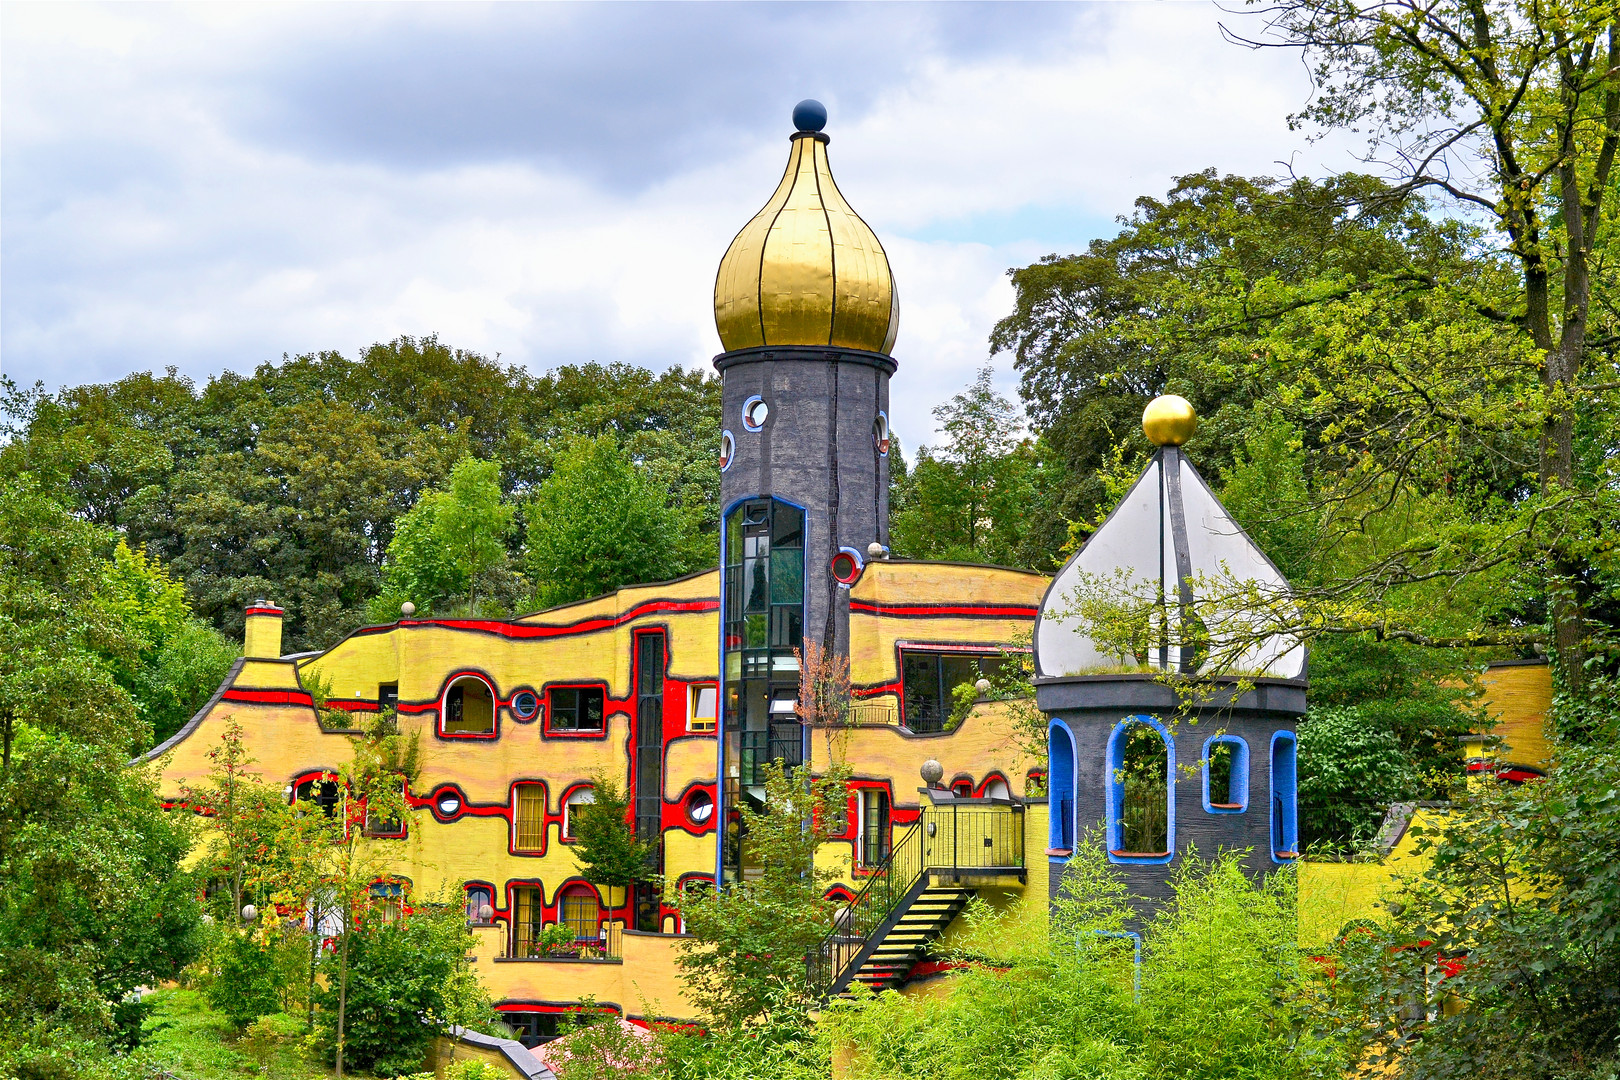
807, 312
1171, 696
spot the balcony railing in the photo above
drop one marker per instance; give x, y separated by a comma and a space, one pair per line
606, 946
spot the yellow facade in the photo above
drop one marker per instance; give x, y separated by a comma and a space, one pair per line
470, 825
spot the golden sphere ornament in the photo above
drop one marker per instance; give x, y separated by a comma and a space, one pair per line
1169, 420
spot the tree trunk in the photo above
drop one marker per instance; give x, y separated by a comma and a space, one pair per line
343, 990
314, 954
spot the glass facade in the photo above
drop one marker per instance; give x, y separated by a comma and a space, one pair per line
764, 625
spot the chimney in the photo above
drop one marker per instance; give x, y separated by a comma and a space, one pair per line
261, 631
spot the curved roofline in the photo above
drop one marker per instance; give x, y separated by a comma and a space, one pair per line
968, 565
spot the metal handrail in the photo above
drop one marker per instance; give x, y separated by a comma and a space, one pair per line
950, 840
858, 920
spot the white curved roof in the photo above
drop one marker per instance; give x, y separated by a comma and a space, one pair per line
1170, 537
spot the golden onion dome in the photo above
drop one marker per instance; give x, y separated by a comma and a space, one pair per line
806, 270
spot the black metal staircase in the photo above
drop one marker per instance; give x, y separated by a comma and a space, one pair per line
928, 877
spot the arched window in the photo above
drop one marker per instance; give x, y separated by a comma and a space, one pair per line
580, 796
1060, 754
1284, 797
1226, 775
469, 708
316, 792
478, 898
579, 911
962, 787
1141, 803
996, 788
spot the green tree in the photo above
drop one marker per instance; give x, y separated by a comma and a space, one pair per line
746, 961
982, 493
1351, 767
93, 902
400, 982
1222, 990
1504, 955
1509, 111
606, 848
287, 483
597, 523
451, 546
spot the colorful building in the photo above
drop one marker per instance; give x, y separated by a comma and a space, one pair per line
683, 690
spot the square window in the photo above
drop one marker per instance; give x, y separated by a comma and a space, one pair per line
576, 708
703, 707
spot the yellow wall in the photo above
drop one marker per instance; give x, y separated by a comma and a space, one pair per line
1517, 698
593, 642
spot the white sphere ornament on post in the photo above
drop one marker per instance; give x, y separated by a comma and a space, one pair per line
983, 687
407, 609
249, 913
874, 551
932, 772
486, 913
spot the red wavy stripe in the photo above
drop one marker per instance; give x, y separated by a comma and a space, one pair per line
874, 691
265, 611
584, 626
269, 697
969, 611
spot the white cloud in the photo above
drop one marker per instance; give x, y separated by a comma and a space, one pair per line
146, 223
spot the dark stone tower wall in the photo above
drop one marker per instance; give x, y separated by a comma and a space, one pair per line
1091, 707
817, 450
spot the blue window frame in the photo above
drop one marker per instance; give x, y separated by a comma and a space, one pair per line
1284, 797
1060, 790
1226, 775
1141, 792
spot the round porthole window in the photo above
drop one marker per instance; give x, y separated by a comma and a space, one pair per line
755, 413
880, 433
699, 807
449, 803
525, 706
846, 567
728, 450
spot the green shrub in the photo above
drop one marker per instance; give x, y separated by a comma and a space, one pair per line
1221, 991
1351, 767
406, 983
244, 986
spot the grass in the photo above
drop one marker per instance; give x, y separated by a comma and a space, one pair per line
186, 1037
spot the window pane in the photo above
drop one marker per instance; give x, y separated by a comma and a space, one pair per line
591, 708
959, 670
564, 708
579, 913
787, 576
787, 626
787, 528
1220, 775
919, 675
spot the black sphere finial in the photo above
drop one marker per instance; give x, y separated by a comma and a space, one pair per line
809, 115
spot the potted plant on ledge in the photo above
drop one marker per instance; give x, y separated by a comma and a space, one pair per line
608, 853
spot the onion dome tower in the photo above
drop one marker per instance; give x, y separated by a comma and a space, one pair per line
806, 308
1170, 590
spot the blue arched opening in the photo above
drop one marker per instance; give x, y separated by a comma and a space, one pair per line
1284, 797
1140, 782
1226, 775
1060, 787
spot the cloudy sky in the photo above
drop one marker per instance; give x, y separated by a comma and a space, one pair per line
212, 186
